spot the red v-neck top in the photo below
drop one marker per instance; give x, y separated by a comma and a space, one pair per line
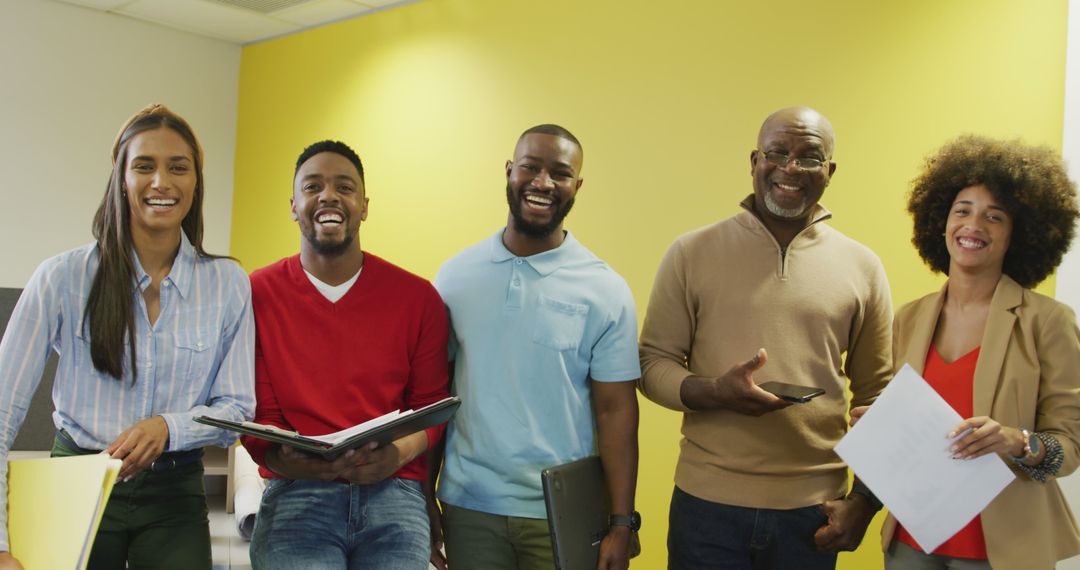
955, 383
321, 367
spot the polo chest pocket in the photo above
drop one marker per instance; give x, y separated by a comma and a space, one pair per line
195, 353
560, 325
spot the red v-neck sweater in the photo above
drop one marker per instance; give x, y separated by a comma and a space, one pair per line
321, 367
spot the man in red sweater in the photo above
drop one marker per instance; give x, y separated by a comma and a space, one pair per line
342, 337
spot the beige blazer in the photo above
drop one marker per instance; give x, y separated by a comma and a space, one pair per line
1027, 376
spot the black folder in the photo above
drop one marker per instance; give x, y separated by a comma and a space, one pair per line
426, 417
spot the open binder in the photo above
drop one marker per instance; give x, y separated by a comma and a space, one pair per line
55, 506
383, 429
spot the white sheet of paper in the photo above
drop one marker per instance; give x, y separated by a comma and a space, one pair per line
900, 451
340, 436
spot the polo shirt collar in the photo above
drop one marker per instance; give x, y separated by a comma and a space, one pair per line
180, 274
545, 262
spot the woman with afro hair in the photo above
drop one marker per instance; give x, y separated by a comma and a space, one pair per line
997, 217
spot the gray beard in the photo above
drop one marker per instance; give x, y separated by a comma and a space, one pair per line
786, 213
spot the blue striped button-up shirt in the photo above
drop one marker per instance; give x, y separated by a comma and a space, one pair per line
196, 359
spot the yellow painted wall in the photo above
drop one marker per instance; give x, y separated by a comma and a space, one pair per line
666, 98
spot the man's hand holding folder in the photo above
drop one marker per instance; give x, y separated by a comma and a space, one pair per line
373, 464
293, 464
364, 466
362, 454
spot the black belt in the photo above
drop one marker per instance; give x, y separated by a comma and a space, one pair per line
165, 462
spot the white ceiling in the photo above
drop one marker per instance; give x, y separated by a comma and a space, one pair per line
239, 21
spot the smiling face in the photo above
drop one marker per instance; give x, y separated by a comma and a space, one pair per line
788, 193
328, 203
541, 183
159, 181
977, 232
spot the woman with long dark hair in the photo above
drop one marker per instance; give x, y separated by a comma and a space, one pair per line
151, 331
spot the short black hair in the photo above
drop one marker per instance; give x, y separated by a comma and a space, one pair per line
336, 147
1032, 185
552, 129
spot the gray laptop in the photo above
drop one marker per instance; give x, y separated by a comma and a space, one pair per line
576, 500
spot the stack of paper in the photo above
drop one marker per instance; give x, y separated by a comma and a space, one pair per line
55, 506
340, 436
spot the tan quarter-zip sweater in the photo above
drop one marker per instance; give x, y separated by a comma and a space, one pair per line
822, 310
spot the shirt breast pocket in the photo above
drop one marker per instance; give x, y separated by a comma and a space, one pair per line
560, 325
195, 350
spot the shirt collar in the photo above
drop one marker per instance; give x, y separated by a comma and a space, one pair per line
182, 268
545, 262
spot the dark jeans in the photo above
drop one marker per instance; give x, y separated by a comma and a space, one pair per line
158, 520
705, 535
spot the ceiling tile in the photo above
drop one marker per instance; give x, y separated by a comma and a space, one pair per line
208, 18
320, 11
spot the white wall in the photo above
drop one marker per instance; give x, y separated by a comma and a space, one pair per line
69, 77
1068, 275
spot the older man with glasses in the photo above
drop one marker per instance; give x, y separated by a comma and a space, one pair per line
757, 483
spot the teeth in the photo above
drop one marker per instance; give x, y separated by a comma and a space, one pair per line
971, 243
539, 200
787, 187
329, 218
162, 201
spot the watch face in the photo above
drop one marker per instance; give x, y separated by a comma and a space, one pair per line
1035, 444
635, 521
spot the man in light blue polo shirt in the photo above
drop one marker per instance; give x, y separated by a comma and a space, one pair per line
543, 338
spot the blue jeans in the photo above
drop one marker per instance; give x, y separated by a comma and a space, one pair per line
329, 525
706, 535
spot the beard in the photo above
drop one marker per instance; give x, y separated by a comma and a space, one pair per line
329, 248
535, 230
782, 212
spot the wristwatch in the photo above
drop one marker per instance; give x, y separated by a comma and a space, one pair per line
632, 520
1032, 446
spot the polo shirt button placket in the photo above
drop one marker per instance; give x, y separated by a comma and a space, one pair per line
515, 295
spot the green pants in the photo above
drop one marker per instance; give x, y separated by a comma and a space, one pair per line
158, 520
483, 541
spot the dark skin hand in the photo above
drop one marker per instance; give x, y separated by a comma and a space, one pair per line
294, 464
735, 390
363, 466
848, 519
615, 405
373, 464
437, 559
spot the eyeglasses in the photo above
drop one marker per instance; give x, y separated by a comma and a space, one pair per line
802, 163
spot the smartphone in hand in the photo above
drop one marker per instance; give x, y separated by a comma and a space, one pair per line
791, 392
